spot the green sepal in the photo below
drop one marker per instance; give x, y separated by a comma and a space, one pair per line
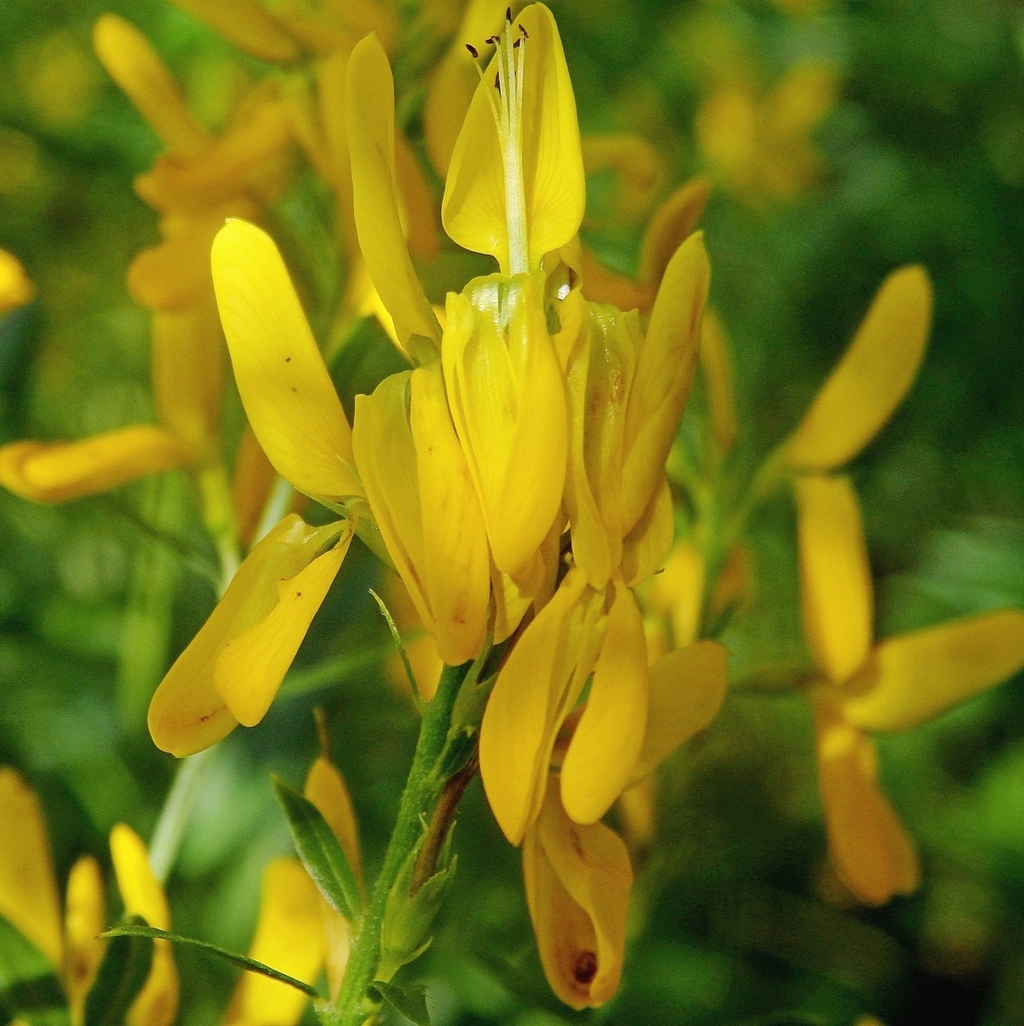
410, 1002
242, 961
324, 858
121, 976
29, 987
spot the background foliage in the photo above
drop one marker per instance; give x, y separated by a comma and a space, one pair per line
920, 159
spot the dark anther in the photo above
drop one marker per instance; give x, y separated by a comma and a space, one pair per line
526, 35
508, 15
473, 50
497, 83
493, 40
586, 967
515, 45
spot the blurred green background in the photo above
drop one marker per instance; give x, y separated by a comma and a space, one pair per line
915, 156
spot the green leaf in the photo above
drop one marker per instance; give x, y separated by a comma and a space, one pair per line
320, 852
408, 1001
122, 974
249, 964
29, 988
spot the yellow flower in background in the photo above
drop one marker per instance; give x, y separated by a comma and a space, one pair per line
866, 687
28, 900
15, 288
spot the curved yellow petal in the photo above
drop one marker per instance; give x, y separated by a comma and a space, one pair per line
913, 677
252, 665
538, 685
28, 888
85, 918
325, 788
687, 688
246, 23
136, 67
871, 852
604, 749
473, 209
506, 392
370, 119
600, 285
289, 936
58, 471
578, 880
872, 377
285, 387
188, 713
15, 288
646, 547
673, 223
157, 1002
835, 578
716, 369
664, 373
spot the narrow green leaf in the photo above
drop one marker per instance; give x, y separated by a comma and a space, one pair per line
320, 852
29, 988
396, 637
122, 974
408, 1001
249, 964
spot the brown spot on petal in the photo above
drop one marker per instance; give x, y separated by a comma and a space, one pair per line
586, 968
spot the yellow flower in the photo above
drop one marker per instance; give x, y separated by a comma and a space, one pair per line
28, 900
895, 684
15, 288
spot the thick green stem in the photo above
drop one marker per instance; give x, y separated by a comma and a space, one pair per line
423, 789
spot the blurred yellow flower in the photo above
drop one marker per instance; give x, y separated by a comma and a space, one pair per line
15, 288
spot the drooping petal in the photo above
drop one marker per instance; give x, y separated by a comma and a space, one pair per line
370, 119
136, 67
607, 741
716, 369
915, 676
252, 665
157, 1002
85, 918
28, 888
577, 880
188, 713
246, 23
59, 471
835, 578
289, 936
537, 686
673, 223
687, 688
285, 387
15, 288
473, 209
870, 850
872, 377
664, 373
507, 397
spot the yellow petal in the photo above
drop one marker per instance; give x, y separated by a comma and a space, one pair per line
677, 593
870, 849
664, 373
687, 688
142, 894
872, 377
188, 713
507, 397
136, 67
246, 23
835, 578
285, 387
28, 889
636, 164
85, 918
325, 788
252, 665
538, 685
289, 937
604, 749
716, 368
473, 209
58, 471
15, 288
913, 677
253, 478
600, 285
370, 119
646, 547
419, 211
673, 223
637, 813
577, 880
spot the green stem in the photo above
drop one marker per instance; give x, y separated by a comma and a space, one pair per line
170, 827
423, 789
